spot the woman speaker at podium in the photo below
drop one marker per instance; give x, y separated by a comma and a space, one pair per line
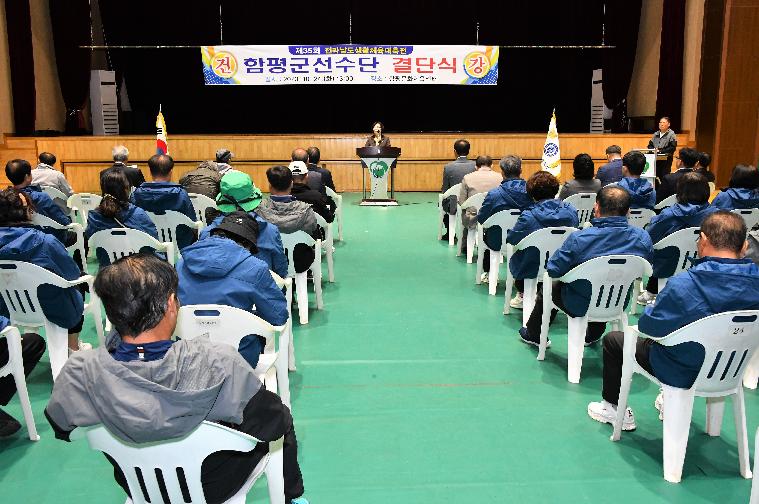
377, 138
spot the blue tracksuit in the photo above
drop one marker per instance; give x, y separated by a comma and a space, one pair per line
4, 322
607, 236
546, 213
269, 243
736, 198
133, 218
44, 205
670, 220
158, 197
217, 270
642, 193
63, 307
610, 172
713, 285
511, 194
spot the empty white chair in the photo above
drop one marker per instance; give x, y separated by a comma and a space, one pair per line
199, 203
505, 219
227, 325
19, 283
750, 216
289, 241
584, 203
74, 227
287, 285
328, 244
729, 340
81, 204
666, 202
640, 217
546, 241
338, 199
15, 367
142, 463
57, 196
453, 191
475, 201
167, 224
610, 278
121, 242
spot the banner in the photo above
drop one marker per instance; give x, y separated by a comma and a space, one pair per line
350, 64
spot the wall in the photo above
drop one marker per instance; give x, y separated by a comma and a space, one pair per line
6, 100
641, 98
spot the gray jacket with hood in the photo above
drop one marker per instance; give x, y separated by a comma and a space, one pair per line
288, 216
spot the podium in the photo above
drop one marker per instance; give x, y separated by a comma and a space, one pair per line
649, 172
379, 162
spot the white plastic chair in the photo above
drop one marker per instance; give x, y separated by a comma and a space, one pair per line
338, 199
327, 245
452, 221
287, 285
584, 203
81, 204
729, 340
666, 202
58, 197
75, 227
750, 216
227, 325
144, 462
19, 282
122, 242
475, 201
15, 367
685, 241
506, 220
640, 217
289, 241
751, 377
546, 241
200, 202
610, 277
167, 224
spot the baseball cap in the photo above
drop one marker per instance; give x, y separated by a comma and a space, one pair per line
241, 224
238, 192
223, 155
298, 168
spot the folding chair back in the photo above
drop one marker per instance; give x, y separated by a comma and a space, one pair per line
15, 368
750, 216
74, 227
200, 202
505, 219
640, 217
475, 201
685, 241
82, 204
122, 242
584, 203
167, 224
56, 195
666, 202
327, 245
338, 199
289, 242
452, 191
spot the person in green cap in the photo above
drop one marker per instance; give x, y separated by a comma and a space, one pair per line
238, 193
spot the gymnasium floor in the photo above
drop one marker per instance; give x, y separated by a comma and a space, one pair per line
412, 387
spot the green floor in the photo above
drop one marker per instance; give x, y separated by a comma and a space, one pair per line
412, 387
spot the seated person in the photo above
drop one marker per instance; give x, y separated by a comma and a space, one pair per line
315, 181
162, 194
115, 211
222, 269
743, 192
120, 157
32, 348
702, 166
691, 209
611, 172
720, 280
204, 179
314, 155
168, 387
237, 192
482, 180
20, 241
610, 234
453, 173
583, 181
44, 175
19, 172
642, 193
321, 203
223, 158
546, 212
686, 160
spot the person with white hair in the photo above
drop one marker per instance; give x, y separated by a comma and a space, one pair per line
120, 157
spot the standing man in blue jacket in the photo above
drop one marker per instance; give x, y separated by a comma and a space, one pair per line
642, 193
222, 269
610, 234
721, 280
548, 211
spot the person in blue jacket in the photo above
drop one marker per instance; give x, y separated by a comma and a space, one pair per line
742, 193
222, 269
691, 209
237, 192
642, 193
162, 194
610, 234
115, 211
546, 212
721, 280
20, 241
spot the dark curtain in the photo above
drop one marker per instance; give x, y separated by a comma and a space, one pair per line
669, 96
622, 20
19, 21
70, 21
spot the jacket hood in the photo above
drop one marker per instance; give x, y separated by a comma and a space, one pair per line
640, 190
19, 242
741, 197
510, 186
547, 212
723, 264
159, 192
690, 214
615, 221
213, 257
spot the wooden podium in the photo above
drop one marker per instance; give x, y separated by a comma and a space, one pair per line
379, 162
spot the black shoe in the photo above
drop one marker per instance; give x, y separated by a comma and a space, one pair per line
444, 237
8, 425
529, 339
592, 341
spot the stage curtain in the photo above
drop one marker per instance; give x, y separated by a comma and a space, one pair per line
19, 22
71, 28
622, 21
669, 96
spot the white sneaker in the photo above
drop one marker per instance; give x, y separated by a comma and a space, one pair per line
605, 412
659, 404
484, 277
646, 298
82, 346
516, 301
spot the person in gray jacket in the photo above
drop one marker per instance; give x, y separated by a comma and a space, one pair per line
583, 181
453, 173
664, 141
44, 175
168, 388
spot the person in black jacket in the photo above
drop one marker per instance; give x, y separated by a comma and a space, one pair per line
314, 155
686, 161
322, 205
120, 157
